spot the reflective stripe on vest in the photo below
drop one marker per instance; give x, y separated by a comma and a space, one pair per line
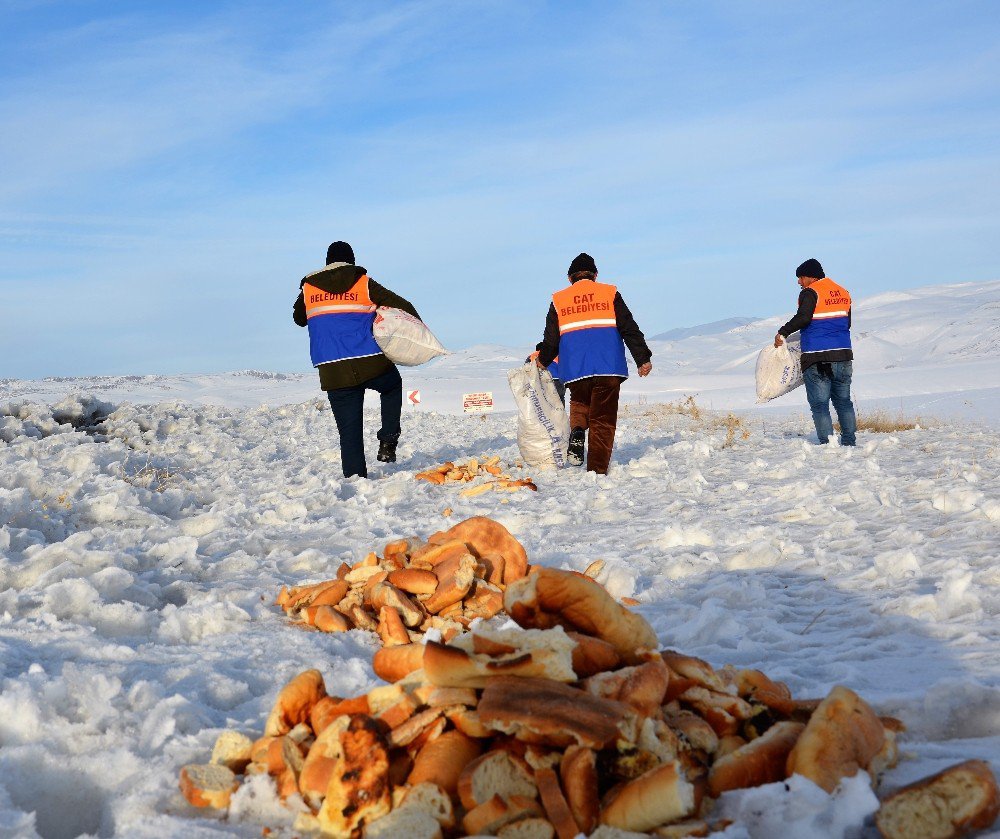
589, 342
340, 325
829, 328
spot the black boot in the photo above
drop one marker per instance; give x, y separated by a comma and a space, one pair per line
386, 452
574, 455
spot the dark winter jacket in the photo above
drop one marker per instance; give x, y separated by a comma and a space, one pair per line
801, 319
337, 279
548, 349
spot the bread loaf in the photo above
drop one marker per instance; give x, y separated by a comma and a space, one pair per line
489, 817
208, 784
393, 663
554, 803
558, 598
578, 771
946, 805
358, 791
232, 750
414, 580
642, 686
294, 703
433, 799
842, 736
486, 536
496, 772
592, 655
543, 711
657, 797
443, 760
761, 761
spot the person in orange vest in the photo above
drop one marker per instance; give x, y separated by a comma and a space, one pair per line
553, 368
337, 305
823, 321
589, 326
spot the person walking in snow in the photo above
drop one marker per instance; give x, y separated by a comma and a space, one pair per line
588, 326
823, 321
337, 304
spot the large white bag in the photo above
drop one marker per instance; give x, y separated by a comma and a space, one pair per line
403, 338
779, 370
542, 423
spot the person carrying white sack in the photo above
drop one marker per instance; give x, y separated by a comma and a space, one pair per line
588, 326
823, 321
337, 304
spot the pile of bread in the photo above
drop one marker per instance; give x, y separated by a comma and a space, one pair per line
443, 583
571, 722
490, 467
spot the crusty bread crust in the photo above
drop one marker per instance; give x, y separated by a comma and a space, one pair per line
393, 663
642, 686
761, 761
556, 809
946, 805
294, 703
543, 711
208, 784
661, 795
442, 760
489, 817
485, 537
842, 736
358, 791
551, 597
578, 771
592, 655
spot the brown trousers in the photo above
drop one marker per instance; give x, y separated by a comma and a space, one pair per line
593, 405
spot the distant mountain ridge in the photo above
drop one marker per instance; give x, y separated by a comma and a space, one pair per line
713, 328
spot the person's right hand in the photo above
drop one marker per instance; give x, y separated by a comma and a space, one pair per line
778, 340
646, 369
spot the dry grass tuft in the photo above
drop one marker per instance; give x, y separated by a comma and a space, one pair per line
735, 427
882, 422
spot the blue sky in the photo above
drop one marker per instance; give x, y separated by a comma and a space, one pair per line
169, 171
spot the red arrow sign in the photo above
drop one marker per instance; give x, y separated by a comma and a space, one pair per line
413, 396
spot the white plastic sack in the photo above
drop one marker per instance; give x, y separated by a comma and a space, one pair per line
403, 338
779, 370
542, 422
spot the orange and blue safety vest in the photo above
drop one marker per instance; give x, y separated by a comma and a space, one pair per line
340, 325
829, 328
589, 341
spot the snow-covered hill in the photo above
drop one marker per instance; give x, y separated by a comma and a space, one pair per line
932, 351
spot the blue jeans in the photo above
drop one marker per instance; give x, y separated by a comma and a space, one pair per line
348, 411
831, 381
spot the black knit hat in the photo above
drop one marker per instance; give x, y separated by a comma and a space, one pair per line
583, 262
340, 252
810, 268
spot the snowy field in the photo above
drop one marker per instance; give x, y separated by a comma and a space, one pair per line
138, 565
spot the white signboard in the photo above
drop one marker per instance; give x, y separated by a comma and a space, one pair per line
413, 396
477, 403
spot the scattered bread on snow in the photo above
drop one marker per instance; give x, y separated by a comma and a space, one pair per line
574, 722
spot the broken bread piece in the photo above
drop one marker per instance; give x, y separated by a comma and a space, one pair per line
947, 805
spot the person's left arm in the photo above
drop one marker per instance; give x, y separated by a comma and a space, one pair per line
632, 336
381, 296
299, 310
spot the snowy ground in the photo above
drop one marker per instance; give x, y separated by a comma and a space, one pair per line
135, 624
137, 568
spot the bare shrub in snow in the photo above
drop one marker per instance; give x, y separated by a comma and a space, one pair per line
150, 476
